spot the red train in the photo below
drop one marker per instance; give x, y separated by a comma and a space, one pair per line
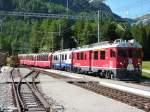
120, 59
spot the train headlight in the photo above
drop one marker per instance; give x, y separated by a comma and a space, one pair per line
121, 63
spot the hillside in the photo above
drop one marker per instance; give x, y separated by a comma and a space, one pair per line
57, 6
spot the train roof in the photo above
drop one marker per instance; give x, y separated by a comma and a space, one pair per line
106, 44
119, 43
63, 51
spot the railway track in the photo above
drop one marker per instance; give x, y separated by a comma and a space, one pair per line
122, 96
26, 95
142, 83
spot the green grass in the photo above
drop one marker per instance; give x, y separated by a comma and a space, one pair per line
146, 65
145, 75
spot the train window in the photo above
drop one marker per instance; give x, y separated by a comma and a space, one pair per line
65, 56
56, 57
78, 56
85, 56
43, 57
70, 56
40, 57
122, 53
46, 57
112, 53
102, 54
62, 57
135, 53
95, 55
81, 56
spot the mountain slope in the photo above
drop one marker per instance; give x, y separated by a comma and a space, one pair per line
57, 6
143, 19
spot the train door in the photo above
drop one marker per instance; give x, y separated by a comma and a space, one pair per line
90, 60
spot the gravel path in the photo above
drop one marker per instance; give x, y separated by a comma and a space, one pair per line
6, 100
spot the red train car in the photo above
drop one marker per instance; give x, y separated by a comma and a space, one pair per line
22, 58
120, 59
44, 60
27, 59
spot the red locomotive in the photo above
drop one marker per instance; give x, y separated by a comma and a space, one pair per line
120, 59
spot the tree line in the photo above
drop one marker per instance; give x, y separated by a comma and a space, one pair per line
34, 35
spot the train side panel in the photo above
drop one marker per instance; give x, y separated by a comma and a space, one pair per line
81, 61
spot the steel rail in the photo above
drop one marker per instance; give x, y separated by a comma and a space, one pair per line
34, 90
24, 108
39, 96
15, 91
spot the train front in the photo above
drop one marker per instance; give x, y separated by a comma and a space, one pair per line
129, 60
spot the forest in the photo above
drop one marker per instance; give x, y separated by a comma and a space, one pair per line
28, 34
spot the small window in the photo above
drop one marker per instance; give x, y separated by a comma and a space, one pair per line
135, 53
95, 55
70, 56
102, 55
81, 56
62, 57
57, 57
78, 56
112, 53
46, 57
122, 53
85, 56
65, 56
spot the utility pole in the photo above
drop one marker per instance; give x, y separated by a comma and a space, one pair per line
98, 27
1, 23
62, 39
126, 12
52, 42
142, 6
67, 7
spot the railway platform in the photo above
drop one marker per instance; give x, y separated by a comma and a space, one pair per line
129, 87
76, 99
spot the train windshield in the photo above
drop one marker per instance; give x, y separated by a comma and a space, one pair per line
135, 53
122, 53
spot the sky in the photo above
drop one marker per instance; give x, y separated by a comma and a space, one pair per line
129, 8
